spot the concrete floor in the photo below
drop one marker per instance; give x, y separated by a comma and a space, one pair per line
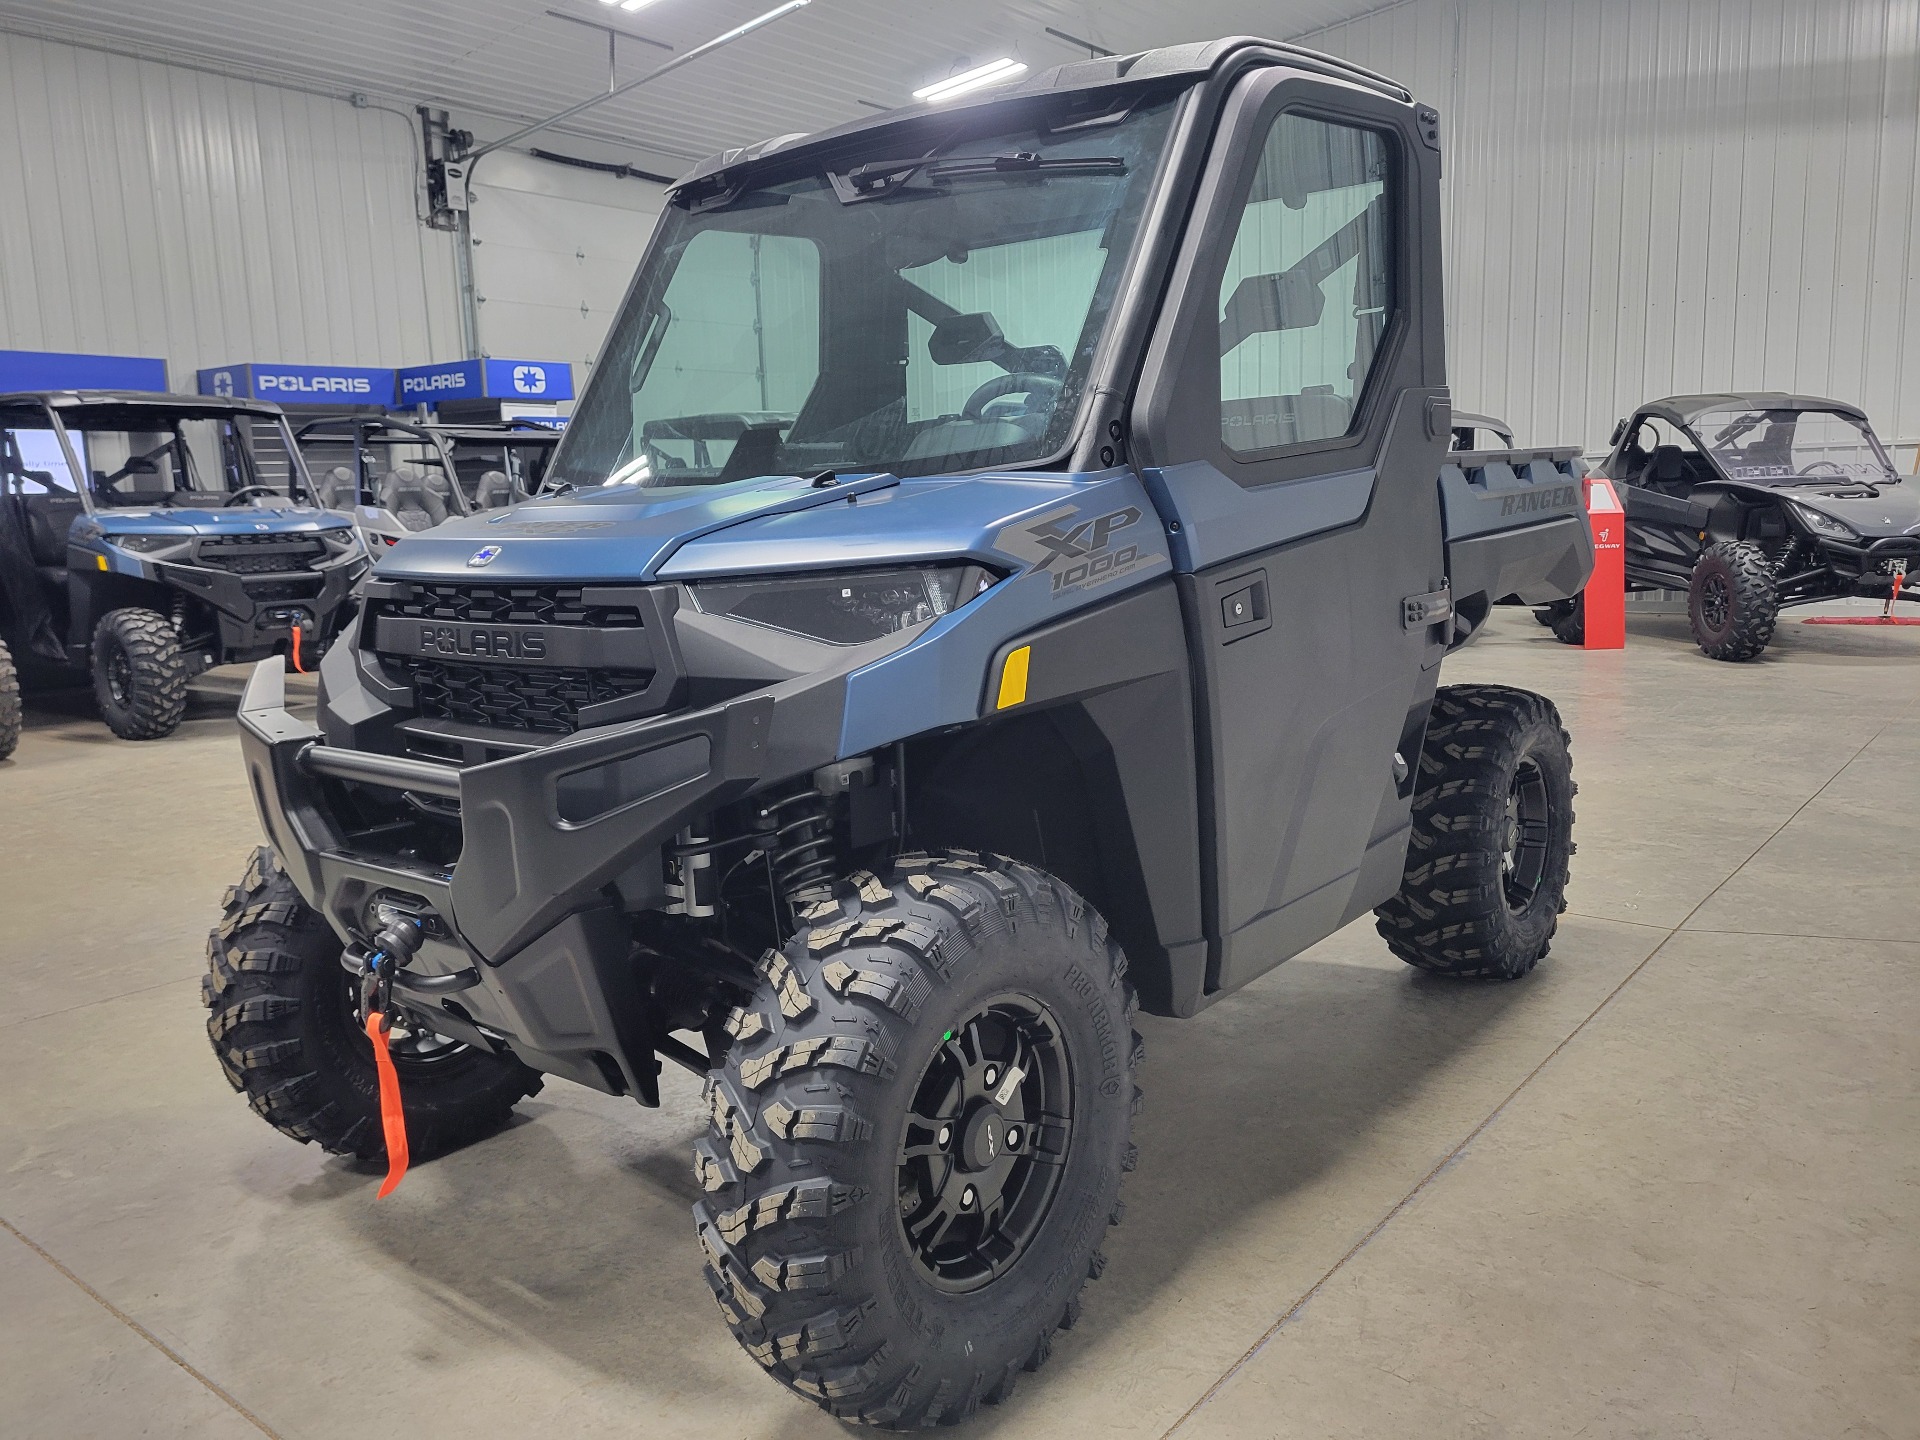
1668, 1186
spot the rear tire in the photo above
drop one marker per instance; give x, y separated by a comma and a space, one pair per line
895, 1272
139, 675
1486, 872
1567, 619
9, 703
282, 1025
1732, 603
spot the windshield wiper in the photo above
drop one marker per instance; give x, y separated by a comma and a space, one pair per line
881, 177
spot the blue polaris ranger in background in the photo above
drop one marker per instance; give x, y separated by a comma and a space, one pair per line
147, 537
998, 574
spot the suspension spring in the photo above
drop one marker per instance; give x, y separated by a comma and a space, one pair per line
797, 836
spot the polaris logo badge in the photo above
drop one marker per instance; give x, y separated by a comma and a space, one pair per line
529, 380
1560, 497
223, 384
471, 641
485, 555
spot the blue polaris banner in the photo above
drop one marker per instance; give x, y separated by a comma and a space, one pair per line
483, 380
57, 370
300, 384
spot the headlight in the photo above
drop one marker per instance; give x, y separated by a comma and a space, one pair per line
1822, 523
148, 544
843, 608
340, 540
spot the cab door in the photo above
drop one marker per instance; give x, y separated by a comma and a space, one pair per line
1291, 420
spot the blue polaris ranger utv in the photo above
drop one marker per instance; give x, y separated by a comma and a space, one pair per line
146, 537
998, 575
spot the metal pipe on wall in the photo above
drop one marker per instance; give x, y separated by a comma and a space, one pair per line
469, 300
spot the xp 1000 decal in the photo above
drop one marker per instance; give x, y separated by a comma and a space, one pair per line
1079, 553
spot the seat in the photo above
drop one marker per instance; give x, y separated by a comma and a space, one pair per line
493, 490
335, 489
49, 520
406, 493
1667, 471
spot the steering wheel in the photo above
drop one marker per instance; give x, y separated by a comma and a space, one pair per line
1824, 467
1040, 390
239, 495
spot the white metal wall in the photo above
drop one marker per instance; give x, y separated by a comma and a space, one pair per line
554, 248
150, 209
1652, 197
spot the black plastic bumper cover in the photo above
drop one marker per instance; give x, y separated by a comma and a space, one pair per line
544, 836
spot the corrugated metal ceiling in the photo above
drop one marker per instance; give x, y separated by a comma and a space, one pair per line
518, 60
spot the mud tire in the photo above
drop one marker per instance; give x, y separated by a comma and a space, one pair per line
283, 1032
1455, 913
1567, 619
139, 674
804, 1245
1732, 603
9, 703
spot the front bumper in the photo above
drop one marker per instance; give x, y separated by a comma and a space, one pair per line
257, 613
527, 947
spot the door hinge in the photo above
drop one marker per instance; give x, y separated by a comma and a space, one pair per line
1428, 609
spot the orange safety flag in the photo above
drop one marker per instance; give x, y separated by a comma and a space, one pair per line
392, 1118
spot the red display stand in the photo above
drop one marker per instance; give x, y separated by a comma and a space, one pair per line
1605, 598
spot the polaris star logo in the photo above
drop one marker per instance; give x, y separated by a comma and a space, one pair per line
529, 379
223, 384
485, 555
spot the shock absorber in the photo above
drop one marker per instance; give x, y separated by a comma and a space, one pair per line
797, 836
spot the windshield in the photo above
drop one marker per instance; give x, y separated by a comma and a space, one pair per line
394, 470
910, 310
160, 460
1780, 446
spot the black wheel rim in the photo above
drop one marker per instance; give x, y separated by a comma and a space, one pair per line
1523, 852
983, 1147
119, 675
413, 1048
1715, 602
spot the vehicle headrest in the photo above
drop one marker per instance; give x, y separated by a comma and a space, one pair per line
408, 492
493, 490
334, 489
1669, 463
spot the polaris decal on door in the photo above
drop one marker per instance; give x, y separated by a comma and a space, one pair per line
1079, 554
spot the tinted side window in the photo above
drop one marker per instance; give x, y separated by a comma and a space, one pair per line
1308, 289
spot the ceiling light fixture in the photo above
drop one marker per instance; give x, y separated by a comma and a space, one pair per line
634, 4
1004, 68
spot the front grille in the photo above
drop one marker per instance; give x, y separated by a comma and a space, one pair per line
260, 554
506, 605
512, 697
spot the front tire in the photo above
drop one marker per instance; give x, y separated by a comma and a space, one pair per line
1486, 874
1732, 602
139, 674
897, 1264
281, 1020
9, 703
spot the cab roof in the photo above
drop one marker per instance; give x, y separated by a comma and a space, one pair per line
194, 406
1171, 62
1685, 409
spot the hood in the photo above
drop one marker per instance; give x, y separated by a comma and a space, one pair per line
178, 520
771, 523
1894, 511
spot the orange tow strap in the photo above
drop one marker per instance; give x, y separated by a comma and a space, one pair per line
296, 651
392, 1119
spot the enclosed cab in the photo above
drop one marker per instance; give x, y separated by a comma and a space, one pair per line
998, 576
147, 537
